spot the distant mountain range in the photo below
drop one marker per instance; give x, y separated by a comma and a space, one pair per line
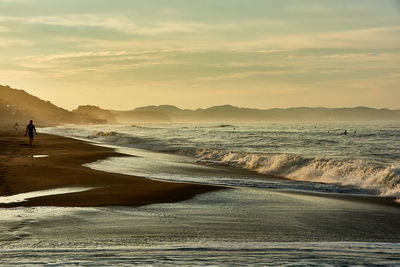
228, 113
19, 106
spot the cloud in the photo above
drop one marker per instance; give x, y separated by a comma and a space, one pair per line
244, 35
98, 64
240, 75
77, 55
300, 7
15, 42
376, 37
4, 29
120, 23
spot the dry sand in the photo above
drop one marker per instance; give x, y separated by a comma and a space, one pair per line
20, 172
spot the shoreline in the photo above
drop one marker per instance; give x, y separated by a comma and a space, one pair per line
21, 172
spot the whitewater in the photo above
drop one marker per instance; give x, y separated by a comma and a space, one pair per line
313, 156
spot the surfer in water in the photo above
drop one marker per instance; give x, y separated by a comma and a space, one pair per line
30, 129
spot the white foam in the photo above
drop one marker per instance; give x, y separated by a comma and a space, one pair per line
384, 179
40, 156
57, 191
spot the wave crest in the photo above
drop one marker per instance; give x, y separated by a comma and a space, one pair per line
100, 134
384, 179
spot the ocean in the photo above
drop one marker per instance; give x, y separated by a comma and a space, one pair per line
314, 156
298, 194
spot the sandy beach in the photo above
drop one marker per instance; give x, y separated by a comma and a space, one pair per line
56, 162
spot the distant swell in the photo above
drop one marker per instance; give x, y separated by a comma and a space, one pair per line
384, 179
147, 143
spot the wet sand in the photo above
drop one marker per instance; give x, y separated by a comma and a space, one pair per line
21, 171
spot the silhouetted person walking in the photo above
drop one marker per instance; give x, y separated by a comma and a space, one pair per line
30, 129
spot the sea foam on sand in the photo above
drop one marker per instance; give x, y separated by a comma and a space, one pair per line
57, 191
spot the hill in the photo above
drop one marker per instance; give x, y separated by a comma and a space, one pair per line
96, 113
229, 113
19, 106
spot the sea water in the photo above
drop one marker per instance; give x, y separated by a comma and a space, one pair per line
366, 160
262, 220
236, 227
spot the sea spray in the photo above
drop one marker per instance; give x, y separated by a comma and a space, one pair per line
384, 179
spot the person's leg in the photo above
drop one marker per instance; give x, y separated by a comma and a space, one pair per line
30, 140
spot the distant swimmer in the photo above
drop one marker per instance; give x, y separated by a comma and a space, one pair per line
16, 126
30, 129
345, 132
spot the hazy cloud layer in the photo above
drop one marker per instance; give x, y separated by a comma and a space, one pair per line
123, 54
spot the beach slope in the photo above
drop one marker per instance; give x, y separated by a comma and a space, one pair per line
56, 162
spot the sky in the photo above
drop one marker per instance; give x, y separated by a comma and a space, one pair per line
123, 54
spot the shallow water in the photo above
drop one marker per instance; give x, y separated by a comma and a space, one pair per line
232, 227
264, 254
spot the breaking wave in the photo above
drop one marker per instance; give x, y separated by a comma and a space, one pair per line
381, 178
384, 179
100, 133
